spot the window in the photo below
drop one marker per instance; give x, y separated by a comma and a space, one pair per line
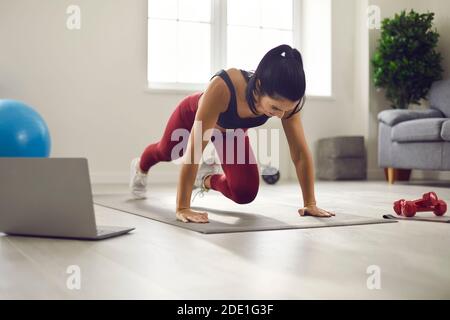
189, 40
254, 27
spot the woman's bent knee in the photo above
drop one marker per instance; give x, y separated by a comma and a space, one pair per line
244, 196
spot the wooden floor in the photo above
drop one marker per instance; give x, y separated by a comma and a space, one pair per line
160, 261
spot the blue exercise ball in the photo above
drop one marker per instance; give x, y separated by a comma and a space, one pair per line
23, 132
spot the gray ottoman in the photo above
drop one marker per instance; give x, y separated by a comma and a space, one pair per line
341, 158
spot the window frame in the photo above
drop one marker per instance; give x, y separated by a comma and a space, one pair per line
219, 50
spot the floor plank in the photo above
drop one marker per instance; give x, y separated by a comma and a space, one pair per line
160, 261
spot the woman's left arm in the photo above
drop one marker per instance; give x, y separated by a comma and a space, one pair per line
304, 165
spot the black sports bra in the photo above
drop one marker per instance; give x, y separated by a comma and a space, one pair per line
230, 119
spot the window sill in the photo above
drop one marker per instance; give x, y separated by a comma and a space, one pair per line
320, 98
194, 89
175, 88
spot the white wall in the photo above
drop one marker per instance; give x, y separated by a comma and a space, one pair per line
377, 103
89, 84
361, 74
337, 116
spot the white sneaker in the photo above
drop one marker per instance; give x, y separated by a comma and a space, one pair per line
207, 168
138, 180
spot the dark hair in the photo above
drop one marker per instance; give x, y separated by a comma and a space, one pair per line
280, 73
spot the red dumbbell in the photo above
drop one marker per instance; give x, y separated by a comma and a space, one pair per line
428, 202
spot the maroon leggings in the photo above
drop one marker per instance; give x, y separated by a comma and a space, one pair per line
240, 181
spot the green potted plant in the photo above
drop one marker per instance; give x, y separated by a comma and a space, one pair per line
406, 62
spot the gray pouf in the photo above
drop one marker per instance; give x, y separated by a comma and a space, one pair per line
342, 158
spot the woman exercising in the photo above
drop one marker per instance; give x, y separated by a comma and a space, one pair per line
235, 99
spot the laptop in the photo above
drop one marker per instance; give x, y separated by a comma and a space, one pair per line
49, 197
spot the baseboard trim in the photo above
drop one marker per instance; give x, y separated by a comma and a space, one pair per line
429, 175
154, 177
172, 176
122, 178
375, 174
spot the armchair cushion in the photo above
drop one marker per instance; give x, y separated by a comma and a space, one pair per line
439, 96
418, 130
393, 117
445, 133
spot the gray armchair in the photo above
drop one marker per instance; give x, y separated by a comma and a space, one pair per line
417, 139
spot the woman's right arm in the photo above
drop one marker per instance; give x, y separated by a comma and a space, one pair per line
214, 101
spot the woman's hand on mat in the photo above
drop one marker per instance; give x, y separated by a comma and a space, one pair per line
189, 215
315, 212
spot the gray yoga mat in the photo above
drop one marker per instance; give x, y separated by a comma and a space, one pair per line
429, 217
257, 216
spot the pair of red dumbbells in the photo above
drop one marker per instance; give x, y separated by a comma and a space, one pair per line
428, 202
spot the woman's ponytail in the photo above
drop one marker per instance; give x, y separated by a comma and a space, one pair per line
297, 56
279, 73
